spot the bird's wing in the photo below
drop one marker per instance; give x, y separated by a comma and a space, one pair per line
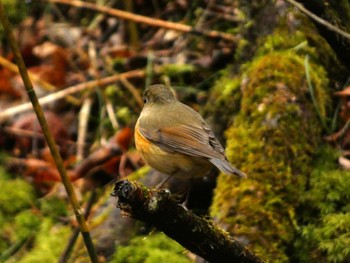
188, 139
215, 144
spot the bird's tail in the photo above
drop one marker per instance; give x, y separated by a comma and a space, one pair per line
227, 168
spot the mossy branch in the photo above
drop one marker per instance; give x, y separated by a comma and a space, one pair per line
48, 136
197, 234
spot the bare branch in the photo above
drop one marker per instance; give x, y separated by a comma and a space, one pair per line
4, 114
147, 20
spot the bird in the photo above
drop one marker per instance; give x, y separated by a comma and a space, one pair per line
174, 139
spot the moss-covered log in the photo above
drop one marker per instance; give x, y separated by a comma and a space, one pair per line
273, 137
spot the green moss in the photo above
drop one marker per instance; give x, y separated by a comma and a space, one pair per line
325, 212
181, 74
16, 220
330, 238
276, 110
26, 224
15, 231
224, 100
16, 194
21, 220
151, 249
272, 140
303, 42
176, 69
280, 78
283, 40
49, 243
53, 207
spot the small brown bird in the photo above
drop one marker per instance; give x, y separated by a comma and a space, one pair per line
175, 140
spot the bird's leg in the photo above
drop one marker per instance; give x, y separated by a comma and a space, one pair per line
185, 203
188, 192
159, 186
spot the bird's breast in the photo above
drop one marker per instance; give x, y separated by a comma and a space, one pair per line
171, 163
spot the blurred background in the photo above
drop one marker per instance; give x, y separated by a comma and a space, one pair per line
272, 83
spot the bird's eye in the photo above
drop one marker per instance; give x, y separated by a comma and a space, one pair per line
145, 100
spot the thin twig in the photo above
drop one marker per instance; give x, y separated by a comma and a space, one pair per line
133, 91
69, 247
133, 33
42, 83
147, 20
149, 69
30, 134
84, 115
48, 136
111, 114
12, 67
4, 114
319, 19
15, 247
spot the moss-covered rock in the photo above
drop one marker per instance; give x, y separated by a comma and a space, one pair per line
272, 139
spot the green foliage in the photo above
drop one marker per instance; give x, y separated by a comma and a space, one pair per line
155, 248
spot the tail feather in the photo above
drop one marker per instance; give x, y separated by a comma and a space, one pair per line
227, 168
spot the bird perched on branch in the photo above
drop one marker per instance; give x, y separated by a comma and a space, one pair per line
175, 140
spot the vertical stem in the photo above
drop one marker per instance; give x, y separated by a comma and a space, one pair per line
132, 28
48, 137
